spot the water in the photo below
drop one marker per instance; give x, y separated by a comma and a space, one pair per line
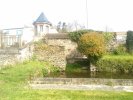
88, 74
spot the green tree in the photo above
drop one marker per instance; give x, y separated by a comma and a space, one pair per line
108, 36
75, 36
92, 45
129, 41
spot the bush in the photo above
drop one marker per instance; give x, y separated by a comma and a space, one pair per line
108, 36
92, 45
50, 69
116, 64
75, 36
40, 45
129, 41
120, 50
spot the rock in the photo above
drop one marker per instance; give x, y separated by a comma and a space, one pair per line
93, 68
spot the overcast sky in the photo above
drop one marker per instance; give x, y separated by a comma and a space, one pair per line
116, 15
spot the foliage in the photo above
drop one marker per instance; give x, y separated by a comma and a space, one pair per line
92, 45
116, 64
62, 27
14, 86
73, 68
50, 69
75, 36
129, 41
40, 45
120, 50
108, 36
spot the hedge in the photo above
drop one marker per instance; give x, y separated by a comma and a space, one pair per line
115, 64
129, 41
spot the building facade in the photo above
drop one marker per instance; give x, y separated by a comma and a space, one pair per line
23, 35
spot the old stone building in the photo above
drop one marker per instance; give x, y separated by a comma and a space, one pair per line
59, 49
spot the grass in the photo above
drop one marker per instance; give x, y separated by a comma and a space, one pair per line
118, 56
73, 68
14, 86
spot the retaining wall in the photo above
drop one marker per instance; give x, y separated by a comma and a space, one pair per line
84, 81
10, 56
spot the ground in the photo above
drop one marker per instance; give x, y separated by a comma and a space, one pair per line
14, 86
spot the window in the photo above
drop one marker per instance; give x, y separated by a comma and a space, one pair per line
19, 32
41, 28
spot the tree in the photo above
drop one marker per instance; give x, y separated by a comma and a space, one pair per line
108, 36
59, 26
129, 41
92, 45
64, 27
75, 36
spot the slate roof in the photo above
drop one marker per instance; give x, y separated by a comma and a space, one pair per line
42, 19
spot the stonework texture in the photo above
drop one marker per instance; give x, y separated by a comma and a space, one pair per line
57, 52
10, 56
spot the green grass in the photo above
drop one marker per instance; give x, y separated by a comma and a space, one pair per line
14, 86
116, 63
73, 67
118, 56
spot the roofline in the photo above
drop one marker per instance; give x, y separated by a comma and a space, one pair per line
16, 28
42, 23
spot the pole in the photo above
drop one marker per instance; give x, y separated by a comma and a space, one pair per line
86, 14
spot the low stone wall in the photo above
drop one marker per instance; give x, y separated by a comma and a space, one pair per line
70, 48
57, 51
84, 81
10, 56
53, 54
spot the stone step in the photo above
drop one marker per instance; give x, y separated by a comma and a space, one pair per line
83, 81
82, 87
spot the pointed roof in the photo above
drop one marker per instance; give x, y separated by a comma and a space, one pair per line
42, 19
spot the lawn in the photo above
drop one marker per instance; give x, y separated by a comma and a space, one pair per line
14, 86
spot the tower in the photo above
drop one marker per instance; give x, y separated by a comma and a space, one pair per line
41, 25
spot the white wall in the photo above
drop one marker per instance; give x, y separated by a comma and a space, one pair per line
28, 35
121, 38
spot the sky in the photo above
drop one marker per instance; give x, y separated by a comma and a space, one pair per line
103, 15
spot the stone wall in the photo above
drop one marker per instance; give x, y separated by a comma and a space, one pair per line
10, 56
70, 48
53, 54
84, 81
57, 51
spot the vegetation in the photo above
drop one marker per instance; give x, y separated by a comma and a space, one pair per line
120, 50
14, 86
40, 45
108, 36
72, 68
129, 41
75, 36
119, 63
92, 45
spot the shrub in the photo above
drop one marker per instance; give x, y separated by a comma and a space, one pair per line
40, 45
129, 41
120, 50
115, 64
108, 36
92, 45
75, 36
50, 69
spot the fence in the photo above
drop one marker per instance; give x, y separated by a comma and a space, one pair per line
8, 41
